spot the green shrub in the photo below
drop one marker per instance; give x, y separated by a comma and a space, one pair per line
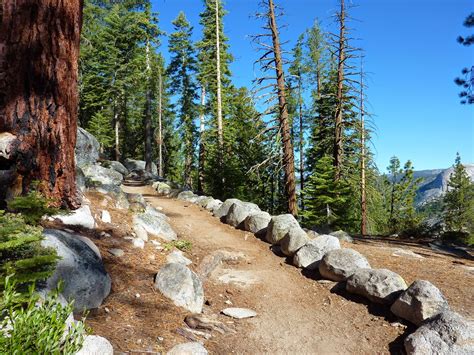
38, 326
32, 206
21, 252
182, 245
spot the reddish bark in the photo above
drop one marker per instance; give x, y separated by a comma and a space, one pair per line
39, 50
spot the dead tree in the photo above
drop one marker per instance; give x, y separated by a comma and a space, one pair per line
272, 60
39, 50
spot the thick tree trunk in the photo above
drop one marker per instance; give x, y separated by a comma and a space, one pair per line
220, 135
147, 119
338, 137
160, 125
202, 149
301, 141
288, 154
39, 50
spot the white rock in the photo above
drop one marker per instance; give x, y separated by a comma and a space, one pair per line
138, 243
310, 254
81, 217
192, 348
105, 217
96, 345
140, 232
239, 313
176, 256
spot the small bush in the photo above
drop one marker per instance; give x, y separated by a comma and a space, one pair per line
21, 252
38, 326
32, 206
183, 245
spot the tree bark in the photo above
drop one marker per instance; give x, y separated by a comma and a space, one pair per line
363, 193
301, 145
39, 50
288, 154
338, 137
160, 125
117, 132
147, 119
202, 149
220, 136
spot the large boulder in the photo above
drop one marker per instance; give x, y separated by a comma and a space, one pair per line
156, 225
257, 222
102, 179
187, 196
422, 300
96, 345
115, 165
238, 211
378, 285
279, 226
80, 269
213, 205
445, 334
139, 166
87, 148
339, 264
192, 348
342, 236
203, 201
182, 286
162, 188
310, 254
223, 210
80, 179
81, 217
293, 241
136, 202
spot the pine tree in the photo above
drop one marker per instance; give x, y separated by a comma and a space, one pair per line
182, 70
467, 82
459, 200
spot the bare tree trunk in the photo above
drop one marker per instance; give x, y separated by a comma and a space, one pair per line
220, 136
202, 149
363, 194
39, 50
160, 128
340, 84
117, 133
288, 154
147, 119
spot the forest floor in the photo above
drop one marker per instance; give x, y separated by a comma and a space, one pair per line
297, 312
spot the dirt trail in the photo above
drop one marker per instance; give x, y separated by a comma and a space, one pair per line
296, 313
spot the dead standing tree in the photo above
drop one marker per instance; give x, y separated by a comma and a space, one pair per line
39, 50
275, 87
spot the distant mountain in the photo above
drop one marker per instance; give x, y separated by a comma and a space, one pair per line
435, 183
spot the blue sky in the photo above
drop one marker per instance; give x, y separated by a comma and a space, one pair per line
412, 57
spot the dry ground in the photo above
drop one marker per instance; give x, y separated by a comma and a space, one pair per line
297, 313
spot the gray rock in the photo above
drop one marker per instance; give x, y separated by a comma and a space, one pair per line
342, 236
176, 256
87, 148
446, 334
224, 208
139, 166
203, 201
339, 264
96, 345
293, 241
239, 313
80, 179
279, 226
8, 143
174, 193
187, 196
193, 348
140, 232
378, 285
116, 252
310, 254
155, 225
138, 243
105, 216
238, 211
81, 270
162, 188
81, 217
311, 233
257, 222
182, 286
422, 300
213, 205
115, 165
102, 179
120, 199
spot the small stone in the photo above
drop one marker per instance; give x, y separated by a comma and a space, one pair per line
138, 243
239, 313
116, 252
105, 217
192, 348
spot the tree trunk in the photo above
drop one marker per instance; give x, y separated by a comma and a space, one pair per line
160, 128
363, 194
288, 156
338, 137
301, 145
39, 50
147, 119
117, 132
220, 136
202, 150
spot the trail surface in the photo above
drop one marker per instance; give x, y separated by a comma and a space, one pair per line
296, 313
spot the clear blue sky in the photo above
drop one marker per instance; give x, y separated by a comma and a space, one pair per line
411, 54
